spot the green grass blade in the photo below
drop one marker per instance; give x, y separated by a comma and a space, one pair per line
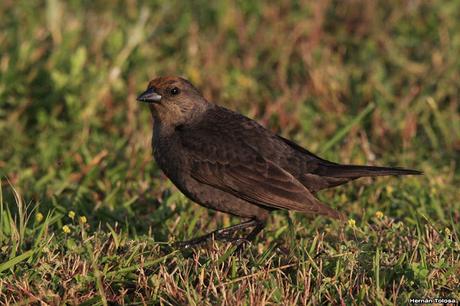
14, 261
344, 131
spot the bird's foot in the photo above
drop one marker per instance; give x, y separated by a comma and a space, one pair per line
218, 236
192, 242
241, 245
236, 241
225, 234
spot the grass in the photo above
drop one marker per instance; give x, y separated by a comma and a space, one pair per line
86, 215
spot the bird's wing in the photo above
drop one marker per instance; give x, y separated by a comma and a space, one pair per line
224, 159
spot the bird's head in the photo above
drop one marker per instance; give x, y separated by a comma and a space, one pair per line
173, 100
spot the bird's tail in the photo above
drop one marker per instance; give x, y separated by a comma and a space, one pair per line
353, 171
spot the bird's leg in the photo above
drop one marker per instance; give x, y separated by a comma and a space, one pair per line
221, 234
259, 226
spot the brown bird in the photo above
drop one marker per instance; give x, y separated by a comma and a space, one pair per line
230, 163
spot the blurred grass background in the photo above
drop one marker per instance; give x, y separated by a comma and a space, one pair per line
373, 82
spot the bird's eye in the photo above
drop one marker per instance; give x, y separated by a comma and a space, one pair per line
175, 91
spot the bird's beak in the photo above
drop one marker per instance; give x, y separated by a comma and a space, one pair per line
149, 96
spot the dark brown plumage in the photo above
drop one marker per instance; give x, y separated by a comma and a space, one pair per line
228, 162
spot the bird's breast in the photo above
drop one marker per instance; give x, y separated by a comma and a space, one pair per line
168, 155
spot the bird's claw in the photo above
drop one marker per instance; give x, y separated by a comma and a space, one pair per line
189, 243
239, 242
